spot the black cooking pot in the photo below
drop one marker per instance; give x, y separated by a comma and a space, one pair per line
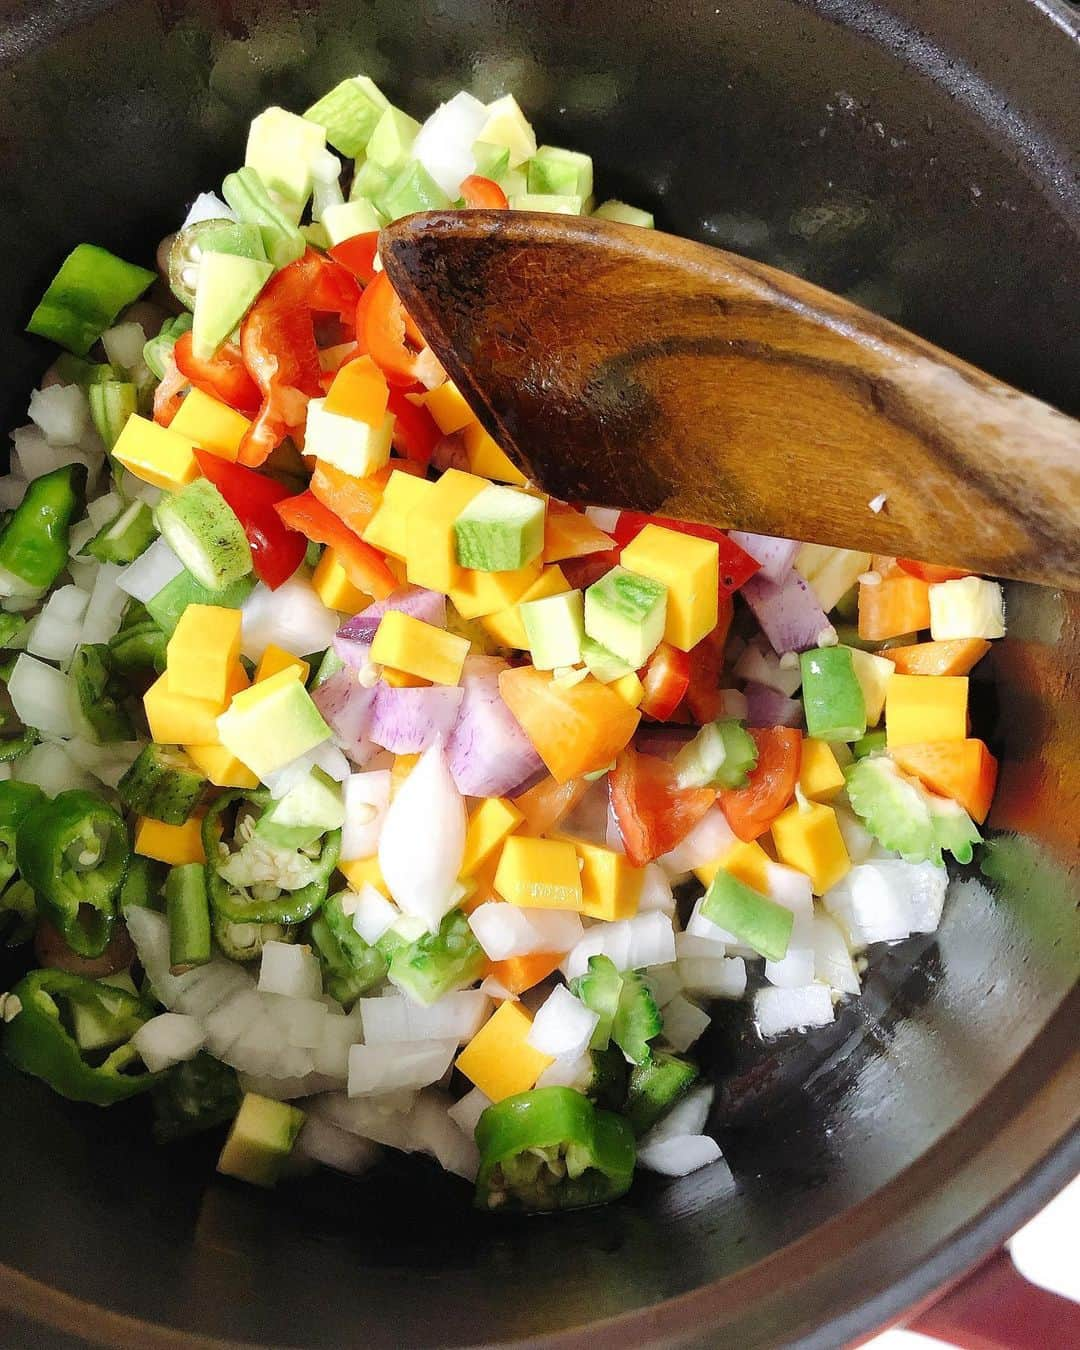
913, 153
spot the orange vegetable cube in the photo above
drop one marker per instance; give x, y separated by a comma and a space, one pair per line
359, 390
518, 973
499, 1060
575, 729
571, 534
894, 606
965, 771
956, 656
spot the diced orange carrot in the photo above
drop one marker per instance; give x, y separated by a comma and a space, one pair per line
963, 770
359, 390
898, 605
956, 656
518, 973
544, 805
575, 729
569, 534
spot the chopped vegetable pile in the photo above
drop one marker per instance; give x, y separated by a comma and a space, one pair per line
357, 795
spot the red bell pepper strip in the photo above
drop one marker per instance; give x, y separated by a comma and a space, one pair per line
275, 550
415, 433
934, 573
382, 327
653, 813
277, 339
364, 566
581, 572
752, 809
666, 678
703, 701
736, 565
169, 394
223, 377
480, 191
357, 255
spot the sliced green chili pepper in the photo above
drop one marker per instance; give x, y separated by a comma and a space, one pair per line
239, 882
38, 1041
245, 941
74, 370
18, 914
143, 884
16, 800
100, 694
158, 351
195, 1095
350, 965
551, 1149
437, 963
74, 852
89, 291
139, 646
34, 542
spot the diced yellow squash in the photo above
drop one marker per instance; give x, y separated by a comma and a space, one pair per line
747, 861
173, 844
482, 593
690, 569
810, 840
276, 659
539, 874
202, 654
178, 719
211, 424
499, 1060
610, 885
820, 776
430, 543
487, 458
419, 648
333, 587
222, 767
448, 408
493, 819
386, 530
629, 688
925, 708
364, 871
156, 454
873, 673
506, 627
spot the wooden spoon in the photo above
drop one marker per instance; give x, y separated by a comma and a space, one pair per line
630, 368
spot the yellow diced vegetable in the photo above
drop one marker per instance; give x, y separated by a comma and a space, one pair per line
479, 594
820, 776
873, 674
969, 607
386, 530
156, 454
611, 886
448, 408
211, 424
403, 766
276, 659
178, 719
173, 844
419, 648
690, 569
506, 627
925, 708
487, 458
747, 861
629, 687
539, 874
202, 654
364, 871
401, 679
810, 840
334, 588
489, 824
499, 1060
430, 543
222, 767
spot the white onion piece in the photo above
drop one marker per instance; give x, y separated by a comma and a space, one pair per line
167, 1039
687, 1116
292, 617
710, 839
328, 1144
435, 1132
34, 455
372, 913
290, 970
302, 1020
632, 944
858, 840
207, 206
795, 970
457, 1016
124, 343
374, 1069
54, 634
832, 960
108, 763
466, 1113
664, 983
887, 900
45, 698
562, 1024
678, 1156
104, 509
780, 1010
384, 1118
510, 930
792, 889
656, 891
151, 572
444, 143
704, 970
423, 841
568, 1071
62, 412
49, 767
367, 799
496, 990
684, 1023
106, 608
12, 490
762, 666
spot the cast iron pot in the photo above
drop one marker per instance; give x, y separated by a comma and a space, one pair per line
916, 153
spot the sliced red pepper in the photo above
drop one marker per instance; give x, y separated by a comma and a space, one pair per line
364, 566
357, 255
653, 813
480, 191
224, 376
934, 573
169, 394
415, 432
276, 551
582, 572
703, 700
666, 678
382, 327
736, 565
752, 809
277, 340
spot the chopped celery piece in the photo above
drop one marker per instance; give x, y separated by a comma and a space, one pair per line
127, 536
753, 918
317, 236
832, 696
491, 160
560, 204
412, 189
111, 404
637, 1018
566, 173
158, 351
623, 214
349, 113
905, 818
282, 148
82, 300
873, 743
392, 139
248, 197
722, 755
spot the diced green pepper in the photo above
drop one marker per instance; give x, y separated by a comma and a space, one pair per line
34, 542
438, 963
18, 914
198, 1094
350, 965
74, 370
82, 300
753, 918
166, 607
16, 801
832, 696
12, 631
655, 1087
140, 646
158, 351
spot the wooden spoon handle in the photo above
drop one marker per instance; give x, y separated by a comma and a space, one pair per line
641, 370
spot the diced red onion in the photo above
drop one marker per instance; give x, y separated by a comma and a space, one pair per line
488, 753
665, 742
353, 640
775, 555
347, 709
767, 707
788, 611
407, 721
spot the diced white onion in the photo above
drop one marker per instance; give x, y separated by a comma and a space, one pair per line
52, 769
54, 634
603, 517
12, 491
680, 1155
45, 698
887, 900
34, 455
372, 914
723, 977
780, 1010
444, 143
151, 572
435, 1132
509, 930
375, 1069
710, 839
664, 983
62, 412
207, 206
168, 1039
795, 970
656, 891
632, 944
292, 617
562, 1024
328, 1144
106, 608
291, 970
684, 1023
466, 1112
423, 840
394, 1020
124, 344
832, 960
104, 509
367, 798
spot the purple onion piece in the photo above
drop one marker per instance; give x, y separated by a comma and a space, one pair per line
488, 753
767, 707
665, 742
775, 555
789, 614
407, 721
353, 639
346, 707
